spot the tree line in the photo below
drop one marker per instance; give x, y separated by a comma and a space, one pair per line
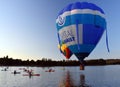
6, 61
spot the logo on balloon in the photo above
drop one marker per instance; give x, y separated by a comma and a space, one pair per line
61, 20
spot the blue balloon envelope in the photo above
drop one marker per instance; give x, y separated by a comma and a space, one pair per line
80, 26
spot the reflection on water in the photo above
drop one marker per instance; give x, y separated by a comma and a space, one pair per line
68, 80
92, 76
82, 80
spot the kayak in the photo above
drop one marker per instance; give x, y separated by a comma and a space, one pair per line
50, 71
15, 72
31, 75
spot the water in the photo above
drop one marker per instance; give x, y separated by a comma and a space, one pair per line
92, 76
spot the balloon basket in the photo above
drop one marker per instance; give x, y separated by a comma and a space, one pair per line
82, 67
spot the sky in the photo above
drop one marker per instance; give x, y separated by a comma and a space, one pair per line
28, 29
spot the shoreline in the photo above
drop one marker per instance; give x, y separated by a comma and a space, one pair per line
6, 61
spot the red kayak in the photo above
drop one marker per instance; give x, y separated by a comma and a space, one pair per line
50, 70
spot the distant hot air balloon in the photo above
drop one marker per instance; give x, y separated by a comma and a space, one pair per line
80, 26
65, 50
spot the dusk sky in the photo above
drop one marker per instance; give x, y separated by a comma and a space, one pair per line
28, 29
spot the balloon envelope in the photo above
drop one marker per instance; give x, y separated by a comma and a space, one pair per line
80, 26
65, 51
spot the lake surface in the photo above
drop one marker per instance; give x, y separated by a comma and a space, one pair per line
92, 76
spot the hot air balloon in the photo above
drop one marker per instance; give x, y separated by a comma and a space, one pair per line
65, 50
80, 26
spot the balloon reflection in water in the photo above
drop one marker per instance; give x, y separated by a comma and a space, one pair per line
82, 81
68, 80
